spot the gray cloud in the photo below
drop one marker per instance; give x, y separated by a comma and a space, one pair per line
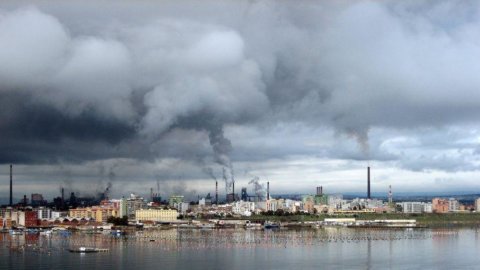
152, 85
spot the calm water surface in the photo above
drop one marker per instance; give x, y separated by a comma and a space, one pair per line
327, 248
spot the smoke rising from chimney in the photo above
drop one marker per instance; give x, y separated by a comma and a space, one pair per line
130, 77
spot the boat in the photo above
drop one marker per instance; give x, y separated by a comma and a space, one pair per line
117, 233
48, 232
15, 232
87, 250
271, 225
207, 226
251, 225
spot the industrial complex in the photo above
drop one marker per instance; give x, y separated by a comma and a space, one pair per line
136, 210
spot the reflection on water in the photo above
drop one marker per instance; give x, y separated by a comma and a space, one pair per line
239, 249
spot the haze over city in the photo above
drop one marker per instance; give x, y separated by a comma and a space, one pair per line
299, 94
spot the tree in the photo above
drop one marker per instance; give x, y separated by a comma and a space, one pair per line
118, 221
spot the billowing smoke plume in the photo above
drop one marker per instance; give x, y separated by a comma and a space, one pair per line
135, 82
222, 148
259, 188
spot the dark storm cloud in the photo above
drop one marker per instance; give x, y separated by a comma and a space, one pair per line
137, 82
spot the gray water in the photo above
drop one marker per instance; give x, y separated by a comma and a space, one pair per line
327, 248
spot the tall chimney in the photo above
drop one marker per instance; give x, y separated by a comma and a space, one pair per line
216, 192
268, 190
11, 183
233, 190
368, 182
63, 197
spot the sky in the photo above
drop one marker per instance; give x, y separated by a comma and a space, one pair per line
171, 95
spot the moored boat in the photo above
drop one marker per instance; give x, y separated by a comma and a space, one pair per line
87, 250
271, 225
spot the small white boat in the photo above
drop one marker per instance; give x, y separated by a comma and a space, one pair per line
15, 232
88, 250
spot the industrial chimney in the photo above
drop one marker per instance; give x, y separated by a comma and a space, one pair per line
368, 183
216, 192
63, 197
268, 190
11, 183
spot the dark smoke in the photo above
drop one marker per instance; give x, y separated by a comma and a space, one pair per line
258, 187
222, 147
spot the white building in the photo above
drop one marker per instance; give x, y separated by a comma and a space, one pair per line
182, 207
335, 201
243, 208
428, 207
44, 213
373, 203
477, 205
133, 204
415, 207
59, 214
411, 207
453, 205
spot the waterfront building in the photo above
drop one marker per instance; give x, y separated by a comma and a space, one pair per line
133, 204
156, 215
428, 208
415, 207
59, 214
44, 213
453, 205
24, 218
122, 210
440, 205
477, 205
182, 207
271, 205
98, 213
243, 208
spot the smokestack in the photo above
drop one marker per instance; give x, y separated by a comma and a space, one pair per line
233, 190
11, 184
63, 197
368, 183
268, 190
216, 192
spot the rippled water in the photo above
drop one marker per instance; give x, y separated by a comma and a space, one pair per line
327, 248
